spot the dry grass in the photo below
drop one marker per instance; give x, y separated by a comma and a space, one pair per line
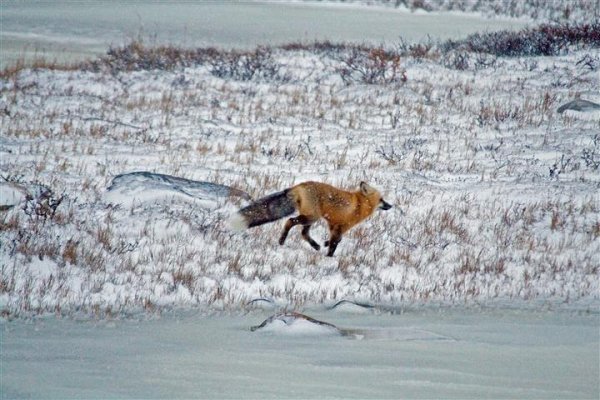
11, 71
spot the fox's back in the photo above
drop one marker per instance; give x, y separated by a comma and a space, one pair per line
322, 200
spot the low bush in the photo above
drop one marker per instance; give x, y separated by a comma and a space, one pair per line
371, 66
325, 47
544, 40
136, 56
247, 65
238, 65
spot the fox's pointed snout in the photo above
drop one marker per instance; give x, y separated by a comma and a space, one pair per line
383, 205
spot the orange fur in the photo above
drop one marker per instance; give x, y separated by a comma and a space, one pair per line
341, 209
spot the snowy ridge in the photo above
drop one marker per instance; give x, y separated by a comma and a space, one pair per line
143, 186
294, 323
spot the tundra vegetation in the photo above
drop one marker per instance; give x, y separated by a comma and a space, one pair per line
496, 194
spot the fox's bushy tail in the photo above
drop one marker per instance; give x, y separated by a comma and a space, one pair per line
262, 211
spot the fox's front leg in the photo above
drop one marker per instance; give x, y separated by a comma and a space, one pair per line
335, 237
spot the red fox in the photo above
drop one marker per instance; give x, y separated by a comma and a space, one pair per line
313, 200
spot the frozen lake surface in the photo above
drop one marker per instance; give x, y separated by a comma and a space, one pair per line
421, 353
69, 30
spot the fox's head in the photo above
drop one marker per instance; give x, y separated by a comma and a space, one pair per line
374, 196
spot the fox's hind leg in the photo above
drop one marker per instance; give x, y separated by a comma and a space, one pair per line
307, 237
290, 223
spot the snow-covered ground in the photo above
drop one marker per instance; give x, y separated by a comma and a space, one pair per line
496, 194
421, 353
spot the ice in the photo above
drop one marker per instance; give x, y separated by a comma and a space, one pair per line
421, 353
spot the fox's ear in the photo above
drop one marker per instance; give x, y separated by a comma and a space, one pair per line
365, 189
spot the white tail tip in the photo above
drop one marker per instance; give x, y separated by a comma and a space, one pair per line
237, 222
